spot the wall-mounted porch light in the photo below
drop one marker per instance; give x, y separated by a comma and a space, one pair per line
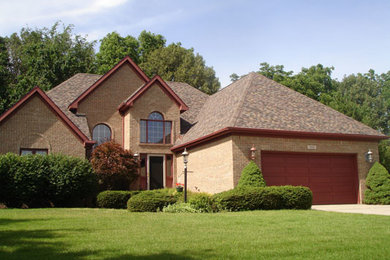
369, 157
253, 152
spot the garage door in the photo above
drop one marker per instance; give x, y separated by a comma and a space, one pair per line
332, 178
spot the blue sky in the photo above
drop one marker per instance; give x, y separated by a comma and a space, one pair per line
231, 35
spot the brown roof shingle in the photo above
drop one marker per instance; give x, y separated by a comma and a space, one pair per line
193, 98
66, 92
257, 102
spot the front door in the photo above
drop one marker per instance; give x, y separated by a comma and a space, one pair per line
156, 171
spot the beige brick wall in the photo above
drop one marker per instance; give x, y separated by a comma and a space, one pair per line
210, 167
101, 106
34, 125
154, 99
242, 145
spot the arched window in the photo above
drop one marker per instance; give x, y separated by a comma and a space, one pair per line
155, 129
101, 133
156, 116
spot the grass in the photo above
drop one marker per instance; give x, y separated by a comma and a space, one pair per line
118, 234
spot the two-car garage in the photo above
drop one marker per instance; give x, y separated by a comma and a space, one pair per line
333, 178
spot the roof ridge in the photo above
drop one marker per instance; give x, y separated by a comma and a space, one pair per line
62, 83
241, 102
326, 107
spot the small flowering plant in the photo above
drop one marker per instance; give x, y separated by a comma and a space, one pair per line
179, 187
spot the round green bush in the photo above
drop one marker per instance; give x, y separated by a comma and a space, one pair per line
273, 197
151, 200
378, 185
251, 176
114, 199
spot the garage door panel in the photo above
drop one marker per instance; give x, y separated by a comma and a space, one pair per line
300, 171
332, 178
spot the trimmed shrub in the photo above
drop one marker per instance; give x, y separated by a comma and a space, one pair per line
115, 167
180, 208
251, 176
378, 185
201, 202
384, 153
46, 180
151, 200
114, 199
273, 197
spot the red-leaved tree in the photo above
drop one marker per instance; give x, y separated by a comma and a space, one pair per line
115, 167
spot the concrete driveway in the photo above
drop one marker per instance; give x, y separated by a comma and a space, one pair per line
355, 208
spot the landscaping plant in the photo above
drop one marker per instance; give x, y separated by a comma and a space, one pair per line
151, 200
378, 185
115, 199
115, 167
251, 176
45, 180
256, 198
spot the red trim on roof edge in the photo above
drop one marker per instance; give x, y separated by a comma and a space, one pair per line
74, 105
54, 108
167, 90
276, 133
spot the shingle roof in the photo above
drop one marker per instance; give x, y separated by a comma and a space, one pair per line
193, 98
66, 92
257, 102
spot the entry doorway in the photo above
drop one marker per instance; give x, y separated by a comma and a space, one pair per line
156, 172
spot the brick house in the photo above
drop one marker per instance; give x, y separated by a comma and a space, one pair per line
298, 141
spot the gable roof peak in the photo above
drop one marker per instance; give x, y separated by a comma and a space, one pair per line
53, 107
139, 92
74, 105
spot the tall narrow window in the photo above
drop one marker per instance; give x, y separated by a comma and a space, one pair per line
155, 129
101, 133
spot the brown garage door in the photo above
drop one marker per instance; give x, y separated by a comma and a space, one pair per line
332, 178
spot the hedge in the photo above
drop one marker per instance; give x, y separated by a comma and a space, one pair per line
272, 197
378, 185
46, 180
114, 199
151, 200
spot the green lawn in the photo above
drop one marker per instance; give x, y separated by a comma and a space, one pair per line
118, 234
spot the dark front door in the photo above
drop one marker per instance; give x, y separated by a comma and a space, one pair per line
156, 164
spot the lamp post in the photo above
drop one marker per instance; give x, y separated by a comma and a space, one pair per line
185, 160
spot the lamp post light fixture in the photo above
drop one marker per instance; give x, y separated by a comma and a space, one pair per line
185, 161
253, 152
369, 157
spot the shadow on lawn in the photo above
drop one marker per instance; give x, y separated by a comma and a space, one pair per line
41, 244
189, 255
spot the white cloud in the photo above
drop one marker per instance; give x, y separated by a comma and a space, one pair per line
43, 12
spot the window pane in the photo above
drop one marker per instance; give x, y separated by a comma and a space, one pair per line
25, 152
169, 165
143, 165
155, 132
168, 129
43, 152
143, 131
101, 133
155, 116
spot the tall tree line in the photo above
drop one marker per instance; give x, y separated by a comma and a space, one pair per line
48, 56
